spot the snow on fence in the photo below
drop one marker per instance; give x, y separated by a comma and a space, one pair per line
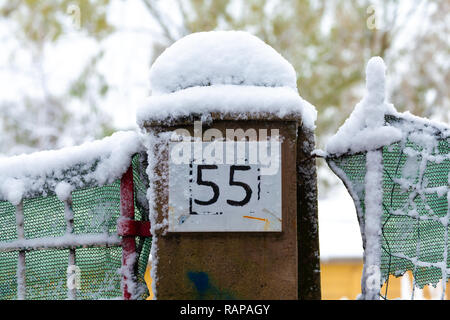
397, 169
62, 216
62, 213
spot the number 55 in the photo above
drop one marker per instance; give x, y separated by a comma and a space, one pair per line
201, 182
232, 182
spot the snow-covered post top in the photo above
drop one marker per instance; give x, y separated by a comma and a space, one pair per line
375, 92
230, 86
226, 72
365, 129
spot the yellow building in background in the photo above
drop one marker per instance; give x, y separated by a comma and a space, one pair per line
341, 252
341, 279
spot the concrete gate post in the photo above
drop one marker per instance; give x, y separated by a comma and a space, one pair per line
233, 197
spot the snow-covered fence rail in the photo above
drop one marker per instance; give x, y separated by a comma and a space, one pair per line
74, 222
397, 169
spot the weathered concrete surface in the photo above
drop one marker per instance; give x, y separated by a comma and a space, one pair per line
308, 221
254, 265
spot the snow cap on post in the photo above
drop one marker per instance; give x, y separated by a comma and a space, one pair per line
374, 99
365, 129
220, 58
376, 81
226, 72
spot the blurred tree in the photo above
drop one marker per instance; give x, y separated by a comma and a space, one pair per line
41, 117
425, 65
329, 44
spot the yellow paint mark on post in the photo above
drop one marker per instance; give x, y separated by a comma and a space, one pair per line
266, 225
255, 218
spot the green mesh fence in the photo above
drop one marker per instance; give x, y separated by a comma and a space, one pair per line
415, 201
96, 210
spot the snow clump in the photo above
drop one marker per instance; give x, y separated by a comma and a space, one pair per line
230, 72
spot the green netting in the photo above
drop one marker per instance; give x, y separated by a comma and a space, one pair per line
415, 200
8, 270
43, 217
46, 274
100, 280
7, 222
96, 210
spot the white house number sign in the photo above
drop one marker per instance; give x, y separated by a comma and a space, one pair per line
224, 186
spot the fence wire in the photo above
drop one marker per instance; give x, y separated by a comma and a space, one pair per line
416, 197
96, 210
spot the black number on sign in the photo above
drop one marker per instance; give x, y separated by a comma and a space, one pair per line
248, 190
200, 182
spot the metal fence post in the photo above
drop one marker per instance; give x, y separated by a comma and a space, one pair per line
128, 241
